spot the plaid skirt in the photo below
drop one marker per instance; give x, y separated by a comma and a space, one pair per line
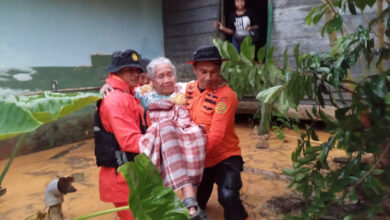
175, 144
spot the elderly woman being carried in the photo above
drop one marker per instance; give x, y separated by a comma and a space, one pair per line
174, 143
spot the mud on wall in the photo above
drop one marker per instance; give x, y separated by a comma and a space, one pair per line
70, 42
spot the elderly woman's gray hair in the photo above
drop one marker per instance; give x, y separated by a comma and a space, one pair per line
156, 61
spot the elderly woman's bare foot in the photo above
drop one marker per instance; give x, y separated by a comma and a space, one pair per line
192, 210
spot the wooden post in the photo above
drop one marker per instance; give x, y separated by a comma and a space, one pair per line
265, 119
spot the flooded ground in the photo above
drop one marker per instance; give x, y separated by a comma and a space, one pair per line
29, 175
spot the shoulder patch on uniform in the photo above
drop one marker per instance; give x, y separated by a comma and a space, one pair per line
220, 108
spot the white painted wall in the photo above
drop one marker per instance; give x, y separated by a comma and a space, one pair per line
67, 32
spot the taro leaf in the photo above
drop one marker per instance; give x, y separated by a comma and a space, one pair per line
149, 199
15, 120
20, 114
269, 95
247, 49
232, 53
270, 54
252, 77
283, 103
220, 45
261, 54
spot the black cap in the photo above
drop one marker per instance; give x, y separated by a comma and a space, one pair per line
206, 53
127, 58
144, 64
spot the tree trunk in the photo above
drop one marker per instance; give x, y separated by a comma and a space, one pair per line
333, 36
381, 30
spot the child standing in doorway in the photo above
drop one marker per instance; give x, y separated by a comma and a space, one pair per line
241, 23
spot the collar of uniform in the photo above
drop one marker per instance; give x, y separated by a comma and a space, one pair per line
117, 83
221, 83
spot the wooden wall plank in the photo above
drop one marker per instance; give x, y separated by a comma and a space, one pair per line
188, 42
292, 13
194, 15
200, 27
181, 5
188, 24
289, 3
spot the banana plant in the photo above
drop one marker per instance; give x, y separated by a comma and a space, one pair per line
22, 114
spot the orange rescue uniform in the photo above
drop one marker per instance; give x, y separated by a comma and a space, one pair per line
119, 113
215, 109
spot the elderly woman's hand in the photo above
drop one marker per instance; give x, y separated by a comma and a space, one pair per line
106, 89
145, 89
179, 99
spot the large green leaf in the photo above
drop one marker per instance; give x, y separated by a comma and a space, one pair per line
261, 54
247, 50
283, 102
270, 94
221, 47
232, 52
20, 114
15, 120
149, 199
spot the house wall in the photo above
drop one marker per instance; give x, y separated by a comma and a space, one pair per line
289, 28
59, 33
66, 33
188, 24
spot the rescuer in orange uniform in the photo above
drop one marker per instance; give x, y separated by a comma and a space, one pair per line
119, 114
212, 104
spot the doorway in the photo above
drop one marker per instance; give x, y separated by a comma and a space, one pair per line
260, 9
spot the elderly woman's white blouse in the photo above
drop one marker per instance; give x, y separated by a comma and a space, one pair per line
147, 94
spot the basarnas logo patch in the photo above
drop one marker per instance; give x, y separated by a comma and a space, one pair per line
220, 108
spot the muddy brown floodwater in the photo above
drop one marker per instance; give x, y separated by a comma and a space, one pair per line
28, 176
